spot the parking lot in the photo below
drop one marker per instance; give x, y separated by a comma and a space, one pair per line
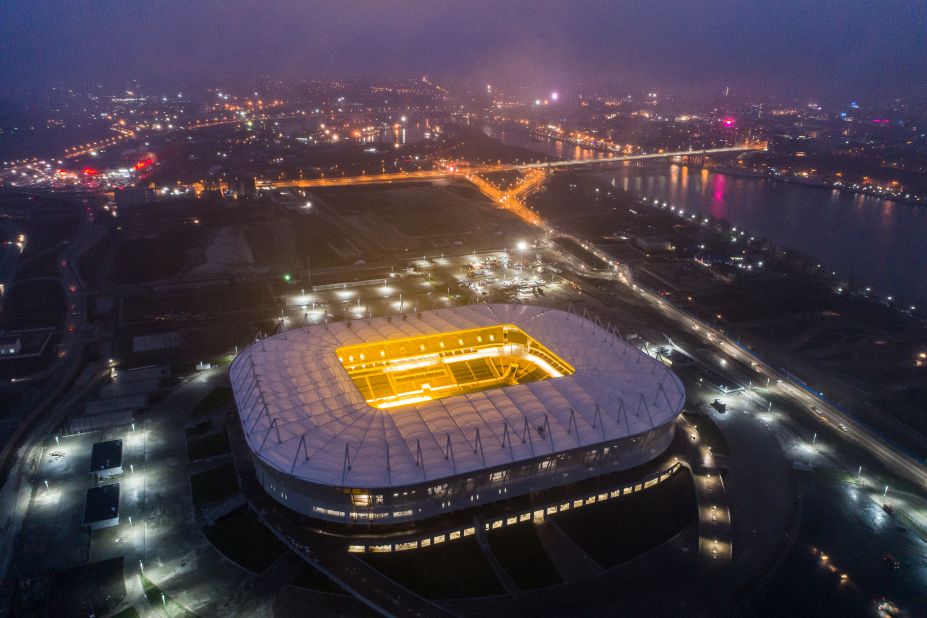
527, 275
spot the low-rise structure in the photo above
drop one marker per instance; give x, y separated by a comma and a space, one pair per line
101, 507
106, 459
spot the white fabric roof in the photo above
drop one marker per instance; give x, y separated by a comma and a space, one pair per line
304, 416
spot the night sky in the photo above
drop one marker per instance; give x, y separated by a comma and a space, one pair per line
851, 48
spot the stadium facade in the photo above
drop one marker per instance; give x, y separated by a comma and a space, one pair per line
394, 419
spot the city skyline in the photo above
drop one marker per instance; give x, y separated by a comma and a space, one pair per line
836, 50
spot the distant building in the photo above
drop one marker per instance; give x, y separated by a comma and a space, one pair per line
106, 459
10, 345
101, 507
243, 187
134, 196
653, 243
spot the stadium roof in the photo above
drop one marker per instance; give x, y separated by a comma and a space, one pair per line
304, 415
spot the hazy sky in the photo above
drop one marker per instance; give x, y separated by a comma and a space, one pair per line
850, 48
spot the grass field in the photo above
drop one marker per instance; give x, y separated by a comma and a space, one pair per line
446, 571
208, 446
311, 579
585, 256
200, 429
241, 538
217, 398
523, 557
33, 304
213, 485
616, 531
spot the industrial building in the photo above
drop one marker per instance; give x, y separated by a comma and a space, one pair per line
106, 459
101, 507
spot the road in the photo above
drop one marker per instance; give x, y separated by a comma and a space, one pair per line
472, 173
656, 155
357, 180
899, 462
19, 455
854, 431
512, 199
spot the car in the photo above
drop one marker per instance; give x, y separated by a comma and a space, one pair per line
887, 608
891, 562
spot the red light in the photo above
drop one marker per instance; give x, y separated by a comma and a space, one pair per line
728, 122
89, 171
143, 164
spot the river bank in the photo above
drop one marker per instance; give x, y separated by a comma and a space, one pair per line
867, 240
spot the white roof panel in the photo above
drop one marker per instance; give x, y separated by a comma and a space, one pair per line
303, 415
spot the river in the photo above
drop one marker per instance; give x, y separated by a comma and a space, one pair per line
868, 240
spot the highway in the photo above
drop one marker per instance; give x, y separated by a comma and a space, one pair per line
512, 199
471, 173
899, 462
640, 157
366, 179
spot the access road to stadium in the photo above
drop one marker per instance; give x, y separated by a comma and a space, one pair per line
900, 462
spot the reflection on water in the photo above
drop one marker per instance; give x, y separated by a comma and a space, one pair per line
552, 148
864, 238
869, 240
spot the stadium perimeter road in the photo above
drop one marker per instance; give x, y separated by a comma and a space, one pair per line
761, 493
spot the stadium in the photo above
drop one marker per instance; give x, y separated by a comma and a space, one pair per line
395, 419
